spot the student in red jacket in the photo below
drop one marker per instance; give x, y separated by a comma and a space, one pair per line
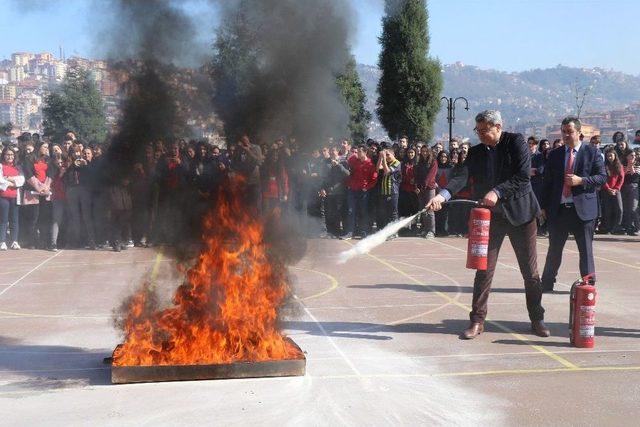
611, 197
408, 201
362, 179
11, 179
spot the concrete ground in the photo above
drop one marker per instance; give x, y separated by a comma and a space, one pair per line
380, 334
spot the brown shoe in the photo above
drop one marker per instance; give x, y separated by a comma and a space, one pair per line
540, 329
474, 329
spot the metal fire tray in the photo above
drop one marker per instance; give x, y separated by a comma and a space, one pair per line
156, 373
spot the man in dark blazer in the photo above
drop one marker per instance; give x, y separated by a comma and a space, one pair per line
500, 168
569, 199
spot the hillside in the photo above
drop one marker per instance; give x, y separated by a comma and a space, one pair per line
536, 96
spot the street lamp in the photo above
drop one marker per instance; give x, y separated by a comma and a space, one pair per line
451, 112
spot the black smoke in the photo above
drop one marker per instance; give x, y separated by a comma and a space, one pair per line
275, 66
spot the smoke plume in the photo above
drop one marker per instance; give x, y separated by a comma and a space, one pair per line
275, 68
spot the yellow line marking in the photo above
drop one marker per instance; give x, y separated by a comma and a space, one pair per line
154, 274
333, 280
452, 301
155, 269
484, 373
53, 316
599, 257
475, 355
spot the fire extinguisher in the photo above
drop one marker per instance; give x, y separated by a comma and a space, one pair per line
478, 246
582, 313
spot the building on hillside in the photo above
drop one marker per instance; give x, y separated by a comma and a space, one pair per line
8, 91
17, 74
21, 59
7, 112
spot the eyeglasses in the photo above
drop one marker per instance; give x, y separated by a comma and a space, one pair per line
482, 131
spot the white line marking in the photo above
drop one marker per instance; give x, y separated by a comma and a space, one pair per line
29, 272
324, 332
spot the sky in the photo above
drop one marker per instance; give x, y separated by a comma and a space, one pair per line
505, 35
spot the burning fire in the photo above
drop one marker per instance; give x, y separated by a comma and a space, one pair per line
227, 308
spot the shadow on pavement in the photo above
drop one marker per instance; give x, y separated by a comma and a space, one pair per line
616, 239
560, 330
50, 367
356, 329
445, 288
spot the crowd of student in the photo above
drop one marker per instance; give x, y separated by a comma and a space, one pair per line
56, 195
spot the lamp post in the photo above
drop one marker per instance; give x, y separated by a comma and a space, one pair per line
451, 112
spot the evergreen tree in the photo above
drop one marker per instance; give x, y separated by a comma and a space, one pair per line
75, 106
411, 82
354, 98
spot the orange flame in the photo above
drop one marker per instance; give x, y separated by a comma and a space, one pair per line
227, 308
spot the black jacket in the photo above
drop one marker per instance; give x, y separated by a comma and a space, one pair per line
517, 201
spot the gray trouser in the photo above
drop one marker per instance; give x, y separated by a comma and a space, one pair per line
79, 205
428, 219
57, 217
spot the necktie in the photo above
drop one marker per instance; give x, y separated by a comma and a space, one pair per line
566, 189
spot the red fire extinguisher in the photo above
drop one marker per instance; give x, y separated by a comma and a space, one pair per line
582, 313
478, 246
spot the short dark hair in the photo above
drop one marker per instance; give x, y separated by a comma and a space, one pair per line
638, 132
572, 119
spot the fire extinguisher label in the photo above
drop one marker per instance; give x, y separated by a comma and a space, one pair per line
479, 250
587, 331
480, 227
587, 321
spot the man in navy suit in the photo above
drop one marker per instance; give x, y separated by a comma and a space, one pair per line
569, 199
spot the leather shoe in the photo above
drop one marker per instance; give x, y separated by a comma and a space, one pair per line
474, 329
540, 329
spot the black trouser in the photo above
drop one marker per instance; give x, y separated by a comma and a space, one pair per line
442, 221
120, 226
333, 209
387, 209
630, 220
407, 203
565, 222
523, 241
140, 222
36, 223
458, 219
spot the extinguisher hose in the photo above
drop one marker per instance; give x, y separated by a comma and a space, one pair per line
462, 201
454, 202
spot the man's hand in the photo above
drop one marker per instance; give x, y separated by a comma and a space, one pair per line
435, 204
490, 199
323, 193
572, 180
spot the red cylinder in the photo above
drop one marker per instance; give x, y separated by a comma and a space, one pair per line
478, 246
582, 313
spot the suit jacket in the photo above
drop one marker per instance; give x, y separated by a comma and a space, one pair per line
589, 165
517, 202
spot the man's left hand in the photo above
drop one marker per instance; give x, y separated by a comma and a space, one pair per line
572, 180
490, 199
